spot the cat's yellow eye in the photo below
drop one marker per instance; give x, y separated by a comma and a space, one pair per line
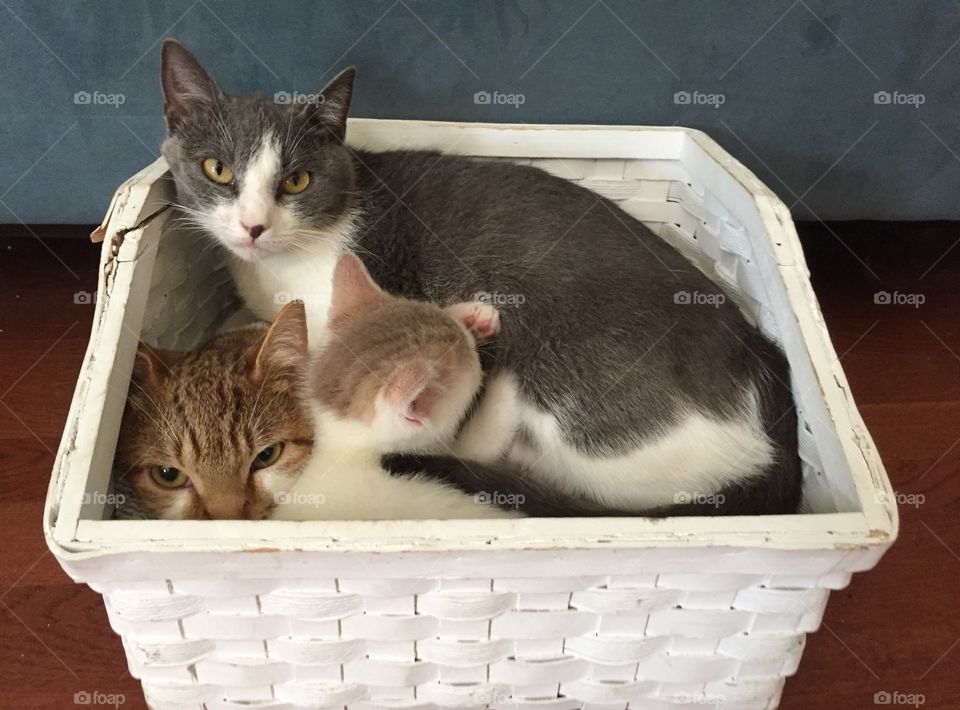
296, 183
267, 456
218, 171
168, 476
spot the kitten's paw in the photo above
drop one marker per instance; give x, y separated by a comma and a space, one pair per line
481, 319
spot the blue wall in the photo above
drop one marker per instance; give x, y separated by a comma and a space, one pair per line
795, 82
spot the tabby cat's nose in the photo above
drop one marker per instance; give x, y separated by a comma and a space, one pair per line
256, 230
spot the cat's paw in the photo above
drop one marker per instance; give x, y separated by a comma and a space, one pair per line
481, 319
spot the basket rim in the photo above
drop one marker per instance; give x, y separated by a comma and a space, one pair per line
875, 524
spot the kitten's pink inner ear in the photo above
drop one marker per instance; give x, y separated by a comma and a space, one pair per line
411, 395
284, 347
353, 288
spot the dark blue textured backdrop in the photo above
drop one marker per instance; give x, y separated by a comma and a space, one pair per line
797, 80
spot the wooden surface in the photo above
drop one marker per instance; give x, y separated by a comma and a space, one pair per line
896, 629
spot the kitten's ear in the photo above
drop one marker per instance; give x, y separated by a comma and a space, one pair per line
283, 350
187, 87
353, 288
336, 102
408, 398
151, 365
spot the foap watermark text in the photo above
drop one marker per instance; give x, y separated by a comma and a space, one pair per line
295, 498
98, 98
504, 500
500, 300
898, 98
698, 498
897, 697
695, 298
914, 500
101, 498
85, 298
296, 98
498, 98
896, 298
95, 697
698, 98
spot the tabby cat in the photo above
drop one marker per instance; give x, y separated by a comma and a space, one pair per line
218, 432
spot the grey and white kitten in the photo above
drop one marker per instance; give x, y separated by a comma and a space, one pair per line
600, 384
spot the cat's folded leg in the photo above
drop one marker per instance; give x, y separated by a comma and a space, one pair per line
493, 426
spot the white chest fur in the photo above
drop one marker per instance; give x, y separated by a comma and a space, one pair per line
267, 284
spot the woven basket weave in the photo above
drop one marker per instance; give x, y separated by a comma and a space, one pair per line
600, 613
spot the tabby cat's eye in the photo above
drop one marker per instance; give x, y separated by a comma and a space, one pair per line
168, 476
267, 456
296, 183
218, 171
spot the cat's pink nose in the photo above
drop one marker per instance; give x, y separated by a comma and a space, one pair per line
256, 230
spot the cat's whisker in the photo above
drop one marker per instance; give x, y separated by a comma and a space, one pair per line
183, 208
264, 410
357, 249
301, 133
221, 125
257, 400
210, 245
146, 413
165, 428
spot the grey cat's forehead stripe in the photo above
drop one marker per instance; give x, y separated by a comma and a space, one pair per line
260, 174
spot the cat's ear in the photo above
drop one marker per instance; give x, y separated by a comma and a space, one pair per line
152, 365
187, 87
409, 395
353, 289
283, 350
332, 111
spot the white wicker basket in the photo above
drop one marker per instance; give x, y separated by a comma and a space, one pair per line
598, 613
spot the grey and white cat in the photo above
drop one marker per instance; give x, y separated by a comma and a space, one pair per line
600, 385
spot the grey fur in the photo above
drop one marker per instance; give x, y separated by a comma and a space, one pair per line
599, 340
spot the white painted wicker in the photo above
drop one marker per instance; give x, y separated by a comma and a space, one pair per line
606, 613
